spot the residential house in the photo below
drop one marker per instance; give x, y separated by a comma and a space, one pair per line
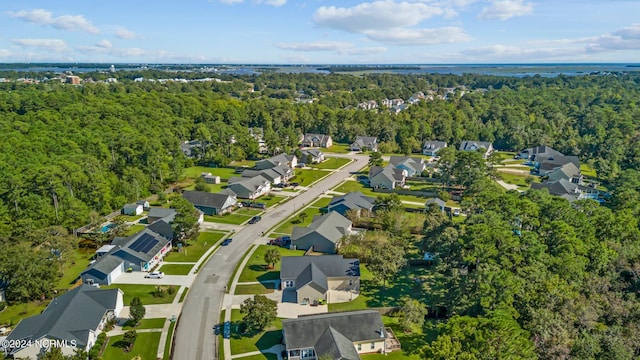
278, 160
368, 105
72, 321
249, 188
365, 143
323, 234
311, 156
542, 150
392, 102
336, 336
568, 171
258, 134
211, 204
210, 179
139, 252
414, 166
191, 148
156, 214
132, 209
317, 140
145, 204
355, 201
487, 147
568, 190
274, 177
330, 278
431, 148
437, 202
543, 165
386, 177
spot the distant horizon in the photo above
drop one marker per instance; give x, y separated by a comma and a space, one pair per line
324, 64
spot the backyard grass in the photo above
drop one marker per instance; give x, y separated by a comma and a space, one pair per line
349, 186
133, 229
250, 289
193, 251
504, 155
331, 163
322, 202
212, 188
155, 323
72, 270
514, 179
12, 314
256, 269
411, 343
228, 218
129, 218
176, 269
306, 177
194, 172
146, 346
294, 220
588, 171
144, 292
167, 344
244, 343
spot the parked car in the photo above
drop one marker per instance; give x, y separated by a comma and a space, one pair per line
259, 205
155, 275
280, 241
255, 219
227, 241
456, 212
246, 203
294, 184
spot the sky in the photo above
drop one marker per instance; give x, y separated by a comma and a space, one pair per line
321, 31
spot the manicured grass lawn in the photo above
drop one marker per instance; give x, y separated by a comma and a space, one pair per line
228, 218
243, 343
248, 211
73, 269
129, 218
322, 202
287, 227
212, 188
133, 229
156, 323
332, 163
263, 356
167, 344
514, 179
588, 171
176, 269
505, 155
271, 200
146, 347
144, 292
196, 249
256, 269
12, 314
307, 176
338, 149
411, 343
349, 186
250, 289
224, 172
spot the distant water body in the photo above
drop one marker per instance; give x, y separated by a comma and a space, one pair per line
513, 70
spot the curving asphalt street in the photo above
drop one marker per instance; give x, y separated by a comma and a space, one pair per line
194, 338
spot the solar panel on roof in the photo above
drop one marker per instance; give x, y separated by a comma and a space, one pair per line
148, 246
144, 243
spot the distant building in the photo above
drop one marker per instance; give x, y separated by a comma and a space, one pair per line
365, 143
431, 148
73, 80
486, 146
317, 140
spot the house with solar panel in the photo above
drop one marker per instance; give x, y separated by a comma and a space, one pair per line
139, 252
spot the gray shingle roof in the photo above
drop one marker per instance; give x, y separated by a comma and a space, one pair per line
434, 145
332, 343
292, 267
331, 226
366, 141
103, 266
473, 145
207, 199
162, 213
70, 316
353, 200
356, 326
163, 228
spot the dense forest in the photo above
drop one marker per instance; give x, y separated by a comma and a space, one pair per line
564, 285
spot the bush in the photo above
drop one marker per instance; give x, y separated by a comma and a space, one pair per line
3, 305
94, 353
171, 290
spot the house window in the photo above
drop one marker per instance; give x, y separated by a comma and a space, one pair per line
359, 347
373, 346
288, 283
307, 353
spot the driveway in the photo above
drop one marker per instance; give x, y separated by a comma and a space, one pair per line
193, 337
139, 279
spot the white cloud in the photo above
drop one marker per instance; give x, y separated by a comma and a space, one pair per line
276, 3
230, 2
63, 22
337, 47
506, 9
123, 33
104, 43
374, 16
127, 52
420, 36
5, 53
48, 44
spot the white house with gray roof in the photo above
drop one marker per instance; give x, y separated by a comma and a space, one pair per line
312, 278
316, 156
354, 200
431, 148
73, 321
387, 177
323, 234
485, 146
413, 165
342, 335
211, 204
278, 160
365, 143
249, 188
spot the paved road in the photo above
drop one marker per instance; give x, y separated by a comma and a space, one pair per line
194, 337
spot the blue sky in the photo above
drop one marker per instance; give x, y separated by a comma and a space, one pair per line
320, 31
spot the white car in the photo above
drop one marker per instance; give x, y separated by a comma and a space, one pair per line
155, 275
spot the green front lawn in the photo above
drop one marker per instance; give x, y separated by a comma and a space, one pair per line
228, 218
146, 346
322, 202
134, 229
338, 149
12, 314
194, 172
176, 269
349, 186
251, 289
306, 177
295, 220
248, 211
144, 292
244, 343
256, 269
156, 323
514, 179
193, 251
331, 163
271, 200
263, 356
